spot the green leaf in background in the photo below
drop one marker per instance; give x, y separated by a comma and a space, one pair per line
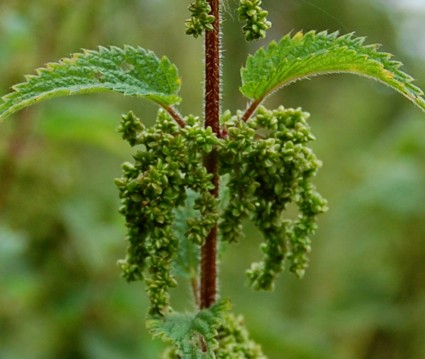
132, 71
305, 55
187, 261
191, 333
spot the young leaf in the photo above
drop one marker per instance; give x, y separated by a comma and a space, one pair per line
132, 71
192, 334
305, 55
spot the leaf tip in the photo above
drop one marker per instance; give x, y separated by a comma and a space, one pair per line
298, 36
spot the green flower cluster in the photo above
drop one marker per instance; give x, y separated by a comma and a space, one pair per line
234, 341
201, 19
255, 17
270, 166
169, 209
167, 165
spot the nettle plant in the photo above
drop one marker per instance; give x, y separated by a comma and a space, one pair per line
195, 180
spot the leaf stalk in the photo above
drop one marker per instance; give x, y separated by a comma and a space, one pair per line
175, 115
251, 109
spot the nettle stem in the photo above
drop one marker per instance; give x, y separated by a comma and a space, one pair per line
208, 285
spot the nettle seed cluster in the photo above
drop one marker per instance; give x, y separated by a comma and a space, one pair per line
265, 165
270, 165
255, 17
201, 19
167, 166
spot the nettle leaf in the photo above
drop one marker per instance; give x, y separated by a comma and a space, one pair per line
192, 334
132, 71
306, 55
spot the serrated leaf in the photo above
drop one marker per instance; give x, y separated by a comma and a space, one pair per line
132, 71
193, 334
306, 55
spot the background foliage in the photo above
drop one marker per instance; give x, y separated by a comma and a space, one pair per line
60, 233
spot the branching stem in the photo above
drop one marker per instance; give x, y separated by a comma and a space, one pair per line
208, 285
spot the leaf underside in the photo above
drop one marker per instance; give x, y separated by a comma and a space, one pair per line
306, 55
131, 71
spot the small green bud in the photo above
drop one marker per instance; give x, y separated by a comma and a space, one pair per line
255, 18
130, 128
201, 20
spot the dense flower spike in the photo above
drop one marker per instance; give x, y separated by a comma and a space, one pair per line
166, 167
201, 19
270, 166
267, 165
234, 340
255, 17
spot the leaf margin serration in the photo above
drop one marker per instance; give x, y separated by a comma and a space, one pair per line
131, 71
275, 66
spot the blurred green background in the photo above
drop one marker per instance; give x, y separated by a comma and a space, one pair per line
61, 296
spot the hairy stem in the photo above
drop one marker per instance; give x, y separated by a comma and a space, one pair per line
212, 71
208, 285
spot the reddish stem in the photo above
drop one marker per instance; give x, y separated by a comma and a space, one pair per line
175, 115
212, 71
251, 109
208, 285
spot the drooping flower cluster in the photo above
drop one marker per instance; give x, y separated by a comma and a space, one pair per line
265, 165
270, 166
167, 165
255, 17
234, 340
